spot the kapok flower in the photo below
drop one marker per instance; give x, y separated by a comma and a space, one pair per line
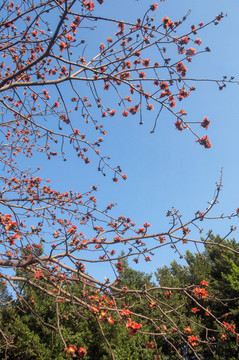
71, 349
167, 294
134, 327
230, 327
204, 140
125, 313
184, 40
119, 266
200, 293
190, 52
89, 5
154, 6
164, 85
204, 283
82, 352
62, 46
112, 113
205, 123
181, 68
198, 41
185, 231
167, 23
188, 330
179, 125
194, 310
142, 75
149, 345
193, 340
146, 62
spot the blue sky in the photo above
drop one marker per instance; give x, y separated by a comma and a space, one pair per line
168, 168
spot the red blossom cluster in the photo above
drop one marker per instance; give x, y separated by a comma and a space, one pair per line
134, 327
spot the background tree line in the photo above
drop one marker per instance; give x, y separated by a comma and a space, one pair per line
30, 331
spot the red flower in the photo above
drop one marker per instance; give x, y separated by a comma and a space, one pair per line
69, 37
204, 140
133, 110
230, 327
119, 266
112, 113
167, 23
194, 310
205, 123
181, 68
193, 340
141, 231
134, 327
172, 103
188, 330
183, 94
137, 53
71, 349
82, 351
193, 27
204, 283
125, 313
89, 6
200, 293
164, 86
146, 62
168, 294
150, 107
154, 6
179, 125
102, 46
182, 112
125, 113
149, 344
198, 41
142, 75
62, 46
185, 231
38, 274
183, 41
190, 52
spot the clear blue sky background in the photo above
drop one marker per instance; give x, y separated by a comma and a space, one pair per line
168, 168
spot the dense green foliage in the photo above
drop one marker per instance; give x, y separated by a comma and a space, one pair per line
29, 322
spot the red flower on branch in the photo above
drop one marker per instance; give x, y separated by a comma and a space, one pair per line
82, 352
193, 340
71, 349
62, 46
204, 140
205, 123
134, 327
154, 6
